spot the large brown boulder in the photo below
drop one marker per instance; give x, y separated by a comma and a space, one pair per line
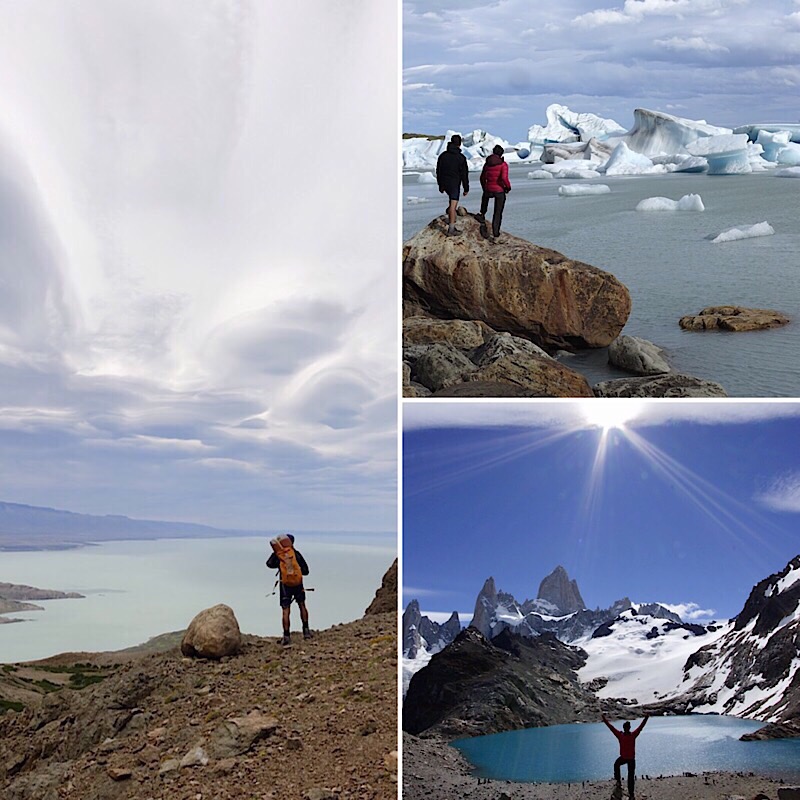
535, 375
733, 318
512, 285
213, 633
385, 600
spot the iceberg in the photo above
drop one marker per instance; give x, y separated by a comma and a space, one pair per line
752, 131
564, 125
624, 161
421, 152
426, 177
789, 172
581, 191
654, 132
691, 164
540, 175
727, 154
773, 143
734, 234
593, 150
689, 202
789, 156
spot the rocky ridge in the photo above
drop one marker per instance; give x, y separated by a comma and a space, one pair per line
315, 720
475, 686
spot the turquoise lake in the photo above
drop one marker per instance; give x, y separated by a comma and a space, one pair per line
666, 746
138, 589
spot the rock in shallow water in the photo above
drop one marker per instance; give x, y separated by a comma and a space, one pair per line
670, 385
638, 356
733, 318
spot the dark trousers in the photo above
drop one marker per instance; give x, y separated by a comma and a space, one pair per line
631, 762
499, 203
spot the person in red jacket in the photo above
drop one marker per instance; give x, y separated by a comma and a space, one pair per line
627, 750
496, 185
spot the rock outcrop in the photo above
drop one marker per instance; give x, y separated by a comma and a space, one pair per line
385, 600
733, 318
422, 633
561, 592
513, 286
213, 633
476, 686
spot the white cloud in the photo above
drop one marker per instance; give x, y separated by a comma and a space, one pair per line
691, 612
692, 43
603, 16
783, 494
567, 413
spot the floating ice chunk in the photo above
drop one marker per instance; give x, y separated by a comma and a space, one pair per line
540, 175
574, 164
789, 156
579, 191
412, 199
692, 164
523, 152
426, 177
689, 202
773, 143
760, 229
577, 174
789, 172
726, 154
624, 161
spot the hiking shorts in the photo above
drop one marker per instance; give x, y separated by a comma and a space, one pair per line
452, 189
289, 593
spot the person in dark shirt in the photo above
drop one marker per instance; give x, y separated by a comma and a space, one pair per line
289, 593
627, 750
452, 173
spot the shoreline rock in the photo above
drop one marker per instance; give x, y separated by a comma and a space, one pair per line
513, 286
671, 384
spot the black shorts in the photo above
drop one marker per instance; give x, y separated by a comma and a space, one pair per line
289, 593
452, 189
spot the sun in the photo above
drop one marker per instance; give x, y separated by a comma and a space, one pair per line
610, 413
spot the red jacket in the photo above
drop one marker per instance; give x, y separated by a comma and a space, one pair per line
494, 177
627, 741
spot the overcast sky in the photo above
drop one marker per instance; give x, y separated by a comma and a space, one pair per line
691, 504
497, 65
198, 294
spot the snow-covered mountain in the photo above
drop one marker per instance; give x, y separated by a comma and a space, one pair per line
753, 669
422, 637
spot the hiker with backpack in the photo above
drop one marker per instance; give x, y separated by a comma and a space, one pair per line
496, 185
292, 567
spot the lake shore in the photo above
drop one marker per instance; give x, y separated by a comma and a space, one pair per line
432, 770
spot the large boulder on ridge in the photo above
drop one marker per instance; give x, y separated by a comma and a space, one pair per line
512, 285
213, 633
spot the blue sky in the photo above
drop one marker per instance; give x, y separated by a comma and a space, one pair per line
497, 65
690, 504
188, 328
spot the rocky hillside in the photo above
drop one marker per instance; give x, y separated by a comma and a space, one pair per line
315, 720
476, 686
754, 669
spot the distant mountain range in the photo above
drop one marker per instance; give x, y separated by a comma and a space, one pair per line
641, 655
24, 527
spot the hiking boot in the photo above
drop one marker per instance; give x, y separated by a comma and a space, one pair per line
480, 217
286, 641
454, 232
307, 633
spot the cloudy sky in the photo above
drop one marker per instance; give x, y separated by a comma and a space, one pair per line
687, 504
197, 270
498, 65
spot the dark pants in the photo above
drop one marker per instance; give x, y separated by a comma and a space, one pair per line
631, 762
499, 203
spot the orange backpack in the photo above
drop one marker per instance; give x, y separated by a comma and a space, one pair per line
290, 569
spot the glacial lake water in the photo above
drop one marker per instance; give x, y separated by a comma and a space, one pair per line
669, 264
666, 746
138, 589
